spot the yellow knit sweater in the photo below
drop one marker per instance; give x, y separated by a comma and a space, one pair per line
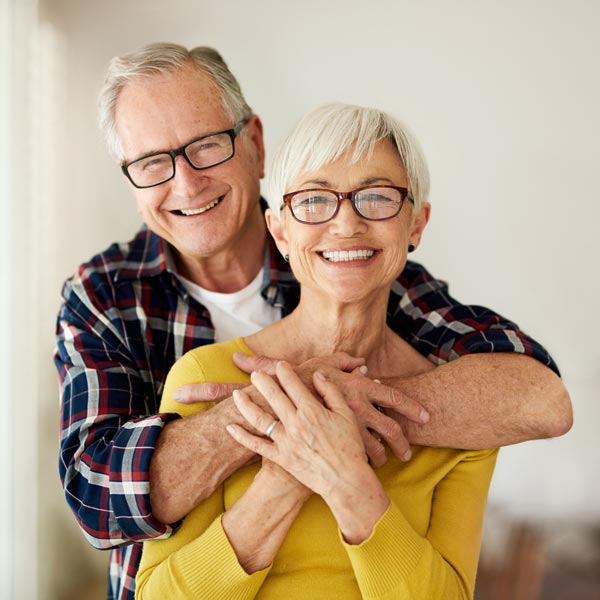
425, 546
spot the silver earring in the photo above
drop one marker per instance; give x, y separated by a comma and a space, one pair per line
286, 257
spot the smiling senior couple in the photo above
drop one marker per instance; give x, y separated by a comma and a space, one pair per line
355, 459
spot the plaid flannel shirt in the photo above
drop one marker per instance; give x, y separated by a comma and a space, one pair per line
124, 321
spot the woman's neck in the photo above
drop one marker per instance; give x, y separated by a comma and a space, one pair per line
319, 327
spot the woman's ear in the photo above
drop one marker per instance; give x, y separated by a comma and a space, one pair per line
276, 229
419, 223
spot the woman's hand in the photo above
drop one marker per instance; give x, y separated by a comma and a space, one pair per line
318, 443
271, 475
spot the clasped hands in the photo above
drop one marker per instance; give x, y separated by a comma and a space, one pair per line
360, 393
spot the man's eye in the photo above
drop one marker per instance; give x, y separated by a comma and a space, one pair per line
153, 163
207, 147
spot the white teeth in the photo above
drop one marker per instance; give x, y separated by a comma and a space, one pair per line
346, 255
198, 211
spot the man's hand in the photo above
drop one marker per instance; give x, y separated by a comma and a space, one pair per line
215, 391
363, 396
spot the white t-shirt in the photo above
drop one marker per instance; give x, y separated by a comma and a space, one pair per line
238, 314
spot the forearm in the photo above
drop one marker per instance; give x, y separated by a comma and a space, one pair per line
193, 457
258, 522
486, 401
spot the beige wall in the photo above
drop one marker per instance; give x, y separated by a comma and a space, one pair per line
504, 98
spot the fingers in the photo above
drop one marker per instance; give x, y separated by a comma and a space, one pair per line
275, 396
390, 398
257, 444
256, 417
386, 427
249, 364
374, 448
331, 394
205, 392
292, 385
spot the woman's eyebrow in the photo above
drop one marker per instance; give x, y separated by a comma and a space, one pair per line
324, 183
370, 180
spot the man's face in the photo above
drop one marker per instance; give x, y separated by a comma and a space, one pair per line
164, 112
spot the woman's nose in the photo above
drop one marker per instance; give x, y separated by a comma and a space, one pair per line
347, 221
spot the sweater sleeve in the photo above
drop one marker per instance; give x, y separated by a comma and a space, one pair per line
397, 562
198, 562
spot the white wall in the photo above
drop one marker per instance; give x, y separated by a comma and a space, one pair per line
504, 98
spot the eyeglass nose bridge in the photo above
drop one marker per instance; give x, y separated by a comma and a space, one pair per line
345, 196
181, 152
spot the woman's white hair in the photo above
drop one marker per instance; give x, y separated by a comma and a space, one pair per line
163, 58
328, 131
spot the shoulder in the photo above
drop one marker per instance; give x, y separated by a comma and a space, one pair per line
204, 364
215, 360
96, 280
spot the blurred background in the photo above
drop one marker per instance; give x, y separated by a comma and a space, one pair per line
504, 98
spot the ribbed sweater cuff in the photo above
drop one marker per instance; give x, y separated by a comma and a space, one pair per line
388, 556
225, 578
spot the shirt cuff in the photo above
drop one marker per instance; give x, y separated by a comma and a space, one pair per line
129, 484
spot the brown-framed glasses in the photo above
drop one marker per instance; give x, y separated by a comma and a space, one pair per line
374, 203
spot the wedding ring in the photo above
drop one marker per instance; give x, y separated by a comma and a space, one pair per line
271, 427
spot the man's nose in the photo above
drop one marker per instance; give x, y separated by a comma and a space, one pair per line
188, 181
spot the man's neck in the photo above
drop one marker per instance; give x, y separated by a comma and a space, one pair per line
232, 268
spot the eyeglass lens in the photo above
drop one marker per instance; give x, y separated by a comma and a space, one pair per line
317, 206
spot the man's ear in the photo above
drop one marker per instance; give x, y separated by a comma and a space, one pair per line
255, 129
419, 223
276, 229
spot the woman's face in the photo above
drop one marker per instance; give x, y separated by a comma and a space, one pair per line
350, 257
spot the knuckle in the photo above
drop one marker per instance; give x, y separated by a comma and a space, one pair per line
212, 391
392, 430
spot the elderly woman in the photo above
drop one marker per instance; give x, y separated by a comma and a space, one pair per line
314, 519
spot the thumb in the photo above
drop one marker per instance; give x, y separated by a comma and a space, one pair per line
248, 364
205, 392
344, 362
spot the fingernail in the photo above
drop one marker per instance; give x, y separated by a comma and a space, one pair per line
320, 375
236, 395
424, 416
407, 456
177, 395
363, 369
376, 380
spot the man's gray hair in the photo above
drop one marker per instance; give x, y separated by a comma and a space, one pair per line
164, 58
328, 131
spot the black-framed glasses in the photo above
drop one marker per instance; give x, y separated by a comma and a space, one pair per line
202, 153
374, 203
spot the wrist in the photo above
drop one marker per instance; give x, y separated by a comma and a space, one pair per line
358, 505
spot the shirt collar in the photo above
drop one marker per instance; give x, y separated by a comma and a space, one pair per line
149, 255
145, 258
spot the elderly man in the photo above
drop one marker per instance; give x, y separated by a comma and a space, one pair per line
203, 268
